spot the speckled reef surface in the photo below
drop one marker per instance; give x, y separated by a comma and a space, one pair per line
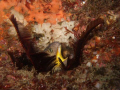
100, 69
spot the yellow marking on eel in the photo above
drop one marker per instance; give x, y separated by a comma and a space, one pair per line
59, 56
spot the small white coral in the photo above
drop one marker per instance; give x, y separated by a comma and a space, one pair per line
37, 29
89, 64
97, 85
58, 32
46, 27
70, 25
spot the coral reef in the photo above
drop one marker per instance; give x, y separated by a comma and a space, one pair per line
101, 54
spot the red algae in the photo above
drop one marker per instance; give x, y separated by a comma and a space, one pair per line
35, 11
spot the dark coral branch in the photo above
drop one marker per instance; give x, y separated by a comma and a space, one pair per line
79, 45
39, 59
85, 37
